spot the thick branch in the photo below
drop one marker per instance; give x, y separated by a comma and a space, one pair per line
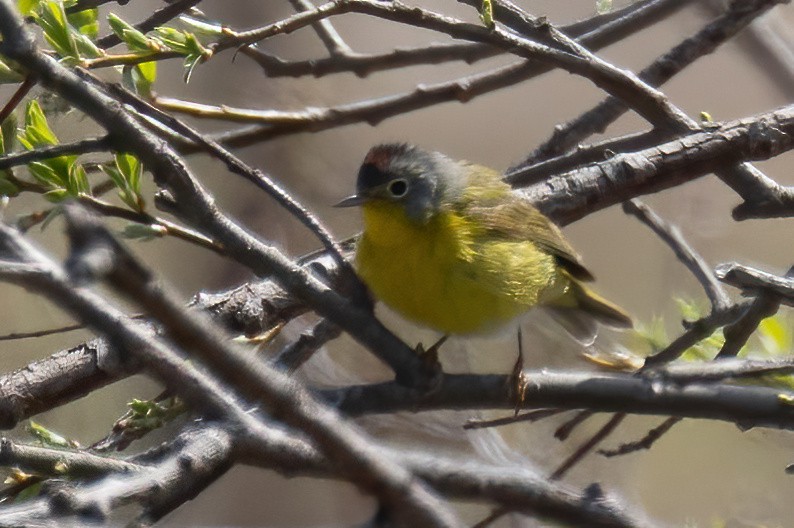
196, 459
570, 196
745, 406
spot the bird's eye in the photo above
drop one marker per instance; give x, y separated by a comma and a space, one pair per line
398, 188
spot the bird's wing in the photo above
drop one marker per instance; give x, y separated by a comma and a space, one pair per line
506, 215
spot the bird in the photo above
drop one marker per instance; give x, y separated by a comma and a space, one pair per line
451, 246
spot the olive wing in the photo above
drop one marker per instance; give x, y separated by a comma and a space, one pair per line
514, 218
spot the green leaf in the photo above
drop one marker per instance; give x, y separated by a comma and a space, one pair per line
37, 130
185, 44
52, 214
486, 14
139, 77
202, 28
126, 175
603, 6
134, 39
690, 310
54, 196
144, 75
28, 7
150, 414
8, 132
174, 39
128, 164
9, 75
86, 22
115, 175
776, 338
52, 19
30, 492
47, 437
7, 188
143, 232
191, 61
62, 174
47, 175
70, 42
77, 182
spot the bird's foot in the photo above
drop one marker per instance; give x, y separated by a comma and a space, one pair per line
519, 379
432, 365
519, 382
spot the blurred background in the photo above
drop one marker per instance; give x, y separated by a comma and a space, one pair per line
699, 473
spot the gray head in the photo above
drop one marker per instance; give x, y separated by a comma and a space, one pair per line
403, 173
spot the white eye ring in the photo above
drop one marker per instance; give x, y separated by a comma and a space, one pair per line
398, 188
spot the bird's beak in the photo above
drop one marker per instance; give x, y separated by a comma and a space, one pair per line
352, 201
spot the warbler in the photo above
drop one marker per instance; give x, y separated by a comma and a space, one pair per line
448, 244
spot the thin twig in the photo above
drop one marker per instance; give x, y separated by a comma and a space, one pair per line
564, 431
160, 226
578, 455
83, 146
695, 332
531, 416
60, 462
19, 95
672, 236
646, 442
325, 30
256, 176
41, 333
298, 352
765, 305
197, 458
492, 517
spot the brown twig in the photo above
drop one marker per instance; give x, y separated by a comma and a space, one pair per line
41, 333
646, 442
578, 455
531, 416
672, 236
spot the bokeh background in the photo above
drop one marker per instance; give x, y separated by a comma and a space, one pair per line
700, 472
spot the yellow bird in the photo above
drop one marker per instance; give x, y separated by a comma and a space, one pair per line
449, 245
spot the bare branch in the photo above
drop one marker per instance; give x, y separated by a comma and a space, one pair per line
325, 30
696, 331
646, 442
196, 459
751, 279
738, 16
40, 333
60, 462
582, 451
746, 406
664, 166
83, 146
672, 236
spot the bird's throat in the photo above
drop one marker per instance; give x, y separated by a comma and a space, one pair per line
387, 225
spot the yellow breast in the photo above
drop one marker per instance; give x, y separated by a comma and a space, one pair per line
448, 276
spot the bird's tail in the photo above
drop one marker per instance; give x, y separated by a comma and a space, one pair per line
580, 308
599, 308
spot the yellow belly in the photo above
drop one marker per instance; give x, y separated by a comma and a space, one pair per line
446, 276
